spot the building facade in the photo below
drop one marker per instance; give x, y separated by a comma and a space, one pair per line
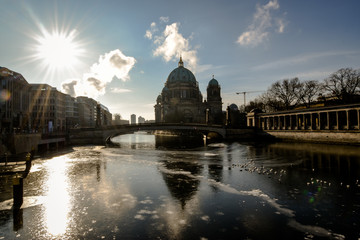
104, 117
182, 101
14, 101
47, 108
87, 108
71, 112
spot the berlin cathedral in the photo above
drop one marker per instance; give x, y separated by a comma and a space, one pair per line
181, 101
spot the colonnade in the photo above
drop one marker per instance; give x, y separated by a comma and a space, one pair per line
326, 118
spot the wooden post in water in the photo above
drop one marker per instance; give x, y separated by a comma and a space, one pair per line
18, 192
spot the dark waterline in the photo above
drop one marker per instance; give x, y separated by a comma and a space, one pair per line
160, 188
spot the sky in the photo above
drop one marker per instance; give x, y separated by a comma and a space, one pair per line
121, 52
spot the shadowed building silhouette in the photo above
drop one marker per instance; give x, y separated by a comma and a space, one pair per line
182, 101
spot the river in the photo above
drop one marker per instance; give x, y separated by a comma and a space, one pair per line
148, 187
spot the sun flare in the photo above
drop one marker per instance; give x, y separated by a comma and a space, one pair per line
58, 50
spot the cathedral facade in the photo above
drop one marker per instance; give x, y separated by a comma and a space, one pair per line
181, 101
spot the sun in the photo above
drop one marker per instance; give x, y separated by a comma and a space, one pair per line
58, 50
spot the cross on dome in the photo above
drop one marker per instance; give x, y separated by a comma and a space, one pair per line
181, 63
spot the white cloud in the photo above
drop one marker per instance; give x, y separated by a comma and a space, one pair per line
120, 90
149, 33
263, 23
164, 19
171, 44
69, 86
281, 25
110, 65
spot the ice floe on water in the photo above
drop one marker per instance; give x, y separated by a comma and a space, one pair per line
255, 193
207, 154
280, 209
217, 145
205, 218
315, 230
147, 201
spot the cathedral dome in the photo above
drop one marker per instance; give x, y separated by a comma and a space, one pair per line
165, 89
181, 74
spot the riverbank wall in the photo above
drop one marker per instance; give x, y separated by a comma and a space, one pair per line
333, 137
14, 144
17, 144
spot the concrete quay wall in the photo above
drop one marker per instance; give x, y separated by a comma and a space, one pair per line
335, 137
23, 143
240, 134
82, 137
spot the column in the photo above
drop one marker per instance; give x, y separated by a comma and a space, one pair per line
280, 123
337, 120
347, 120
319, 121
328, 120
303, 122
297, 122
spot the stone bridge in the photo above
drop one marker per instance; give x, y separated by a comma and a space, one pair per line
104, 134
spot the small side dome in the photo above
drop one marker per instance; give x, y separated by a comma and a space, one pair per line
213, 82
165, 89
158, 98
234, 107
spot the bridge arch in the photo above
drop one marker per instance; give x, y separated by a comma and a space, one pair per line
104, 134
113, 131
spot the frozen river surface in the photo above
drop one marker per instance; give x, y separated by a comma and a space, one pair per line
147, 189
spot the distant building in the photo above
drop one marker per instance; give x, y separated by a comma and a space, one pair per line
141, 119
182, 101
14, 101
234, 118
133, 119
47, 108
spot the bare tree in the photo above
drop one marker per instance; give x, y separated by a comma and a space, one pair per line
343, 84
286, 92
269, 101
309, 92
117, 116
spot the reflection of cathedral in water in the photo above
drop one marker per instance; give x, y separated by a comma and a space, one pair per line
181, 186
182, 101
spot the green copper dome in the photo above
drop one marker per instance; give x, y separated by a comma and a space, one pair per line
181, 74
213, 82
